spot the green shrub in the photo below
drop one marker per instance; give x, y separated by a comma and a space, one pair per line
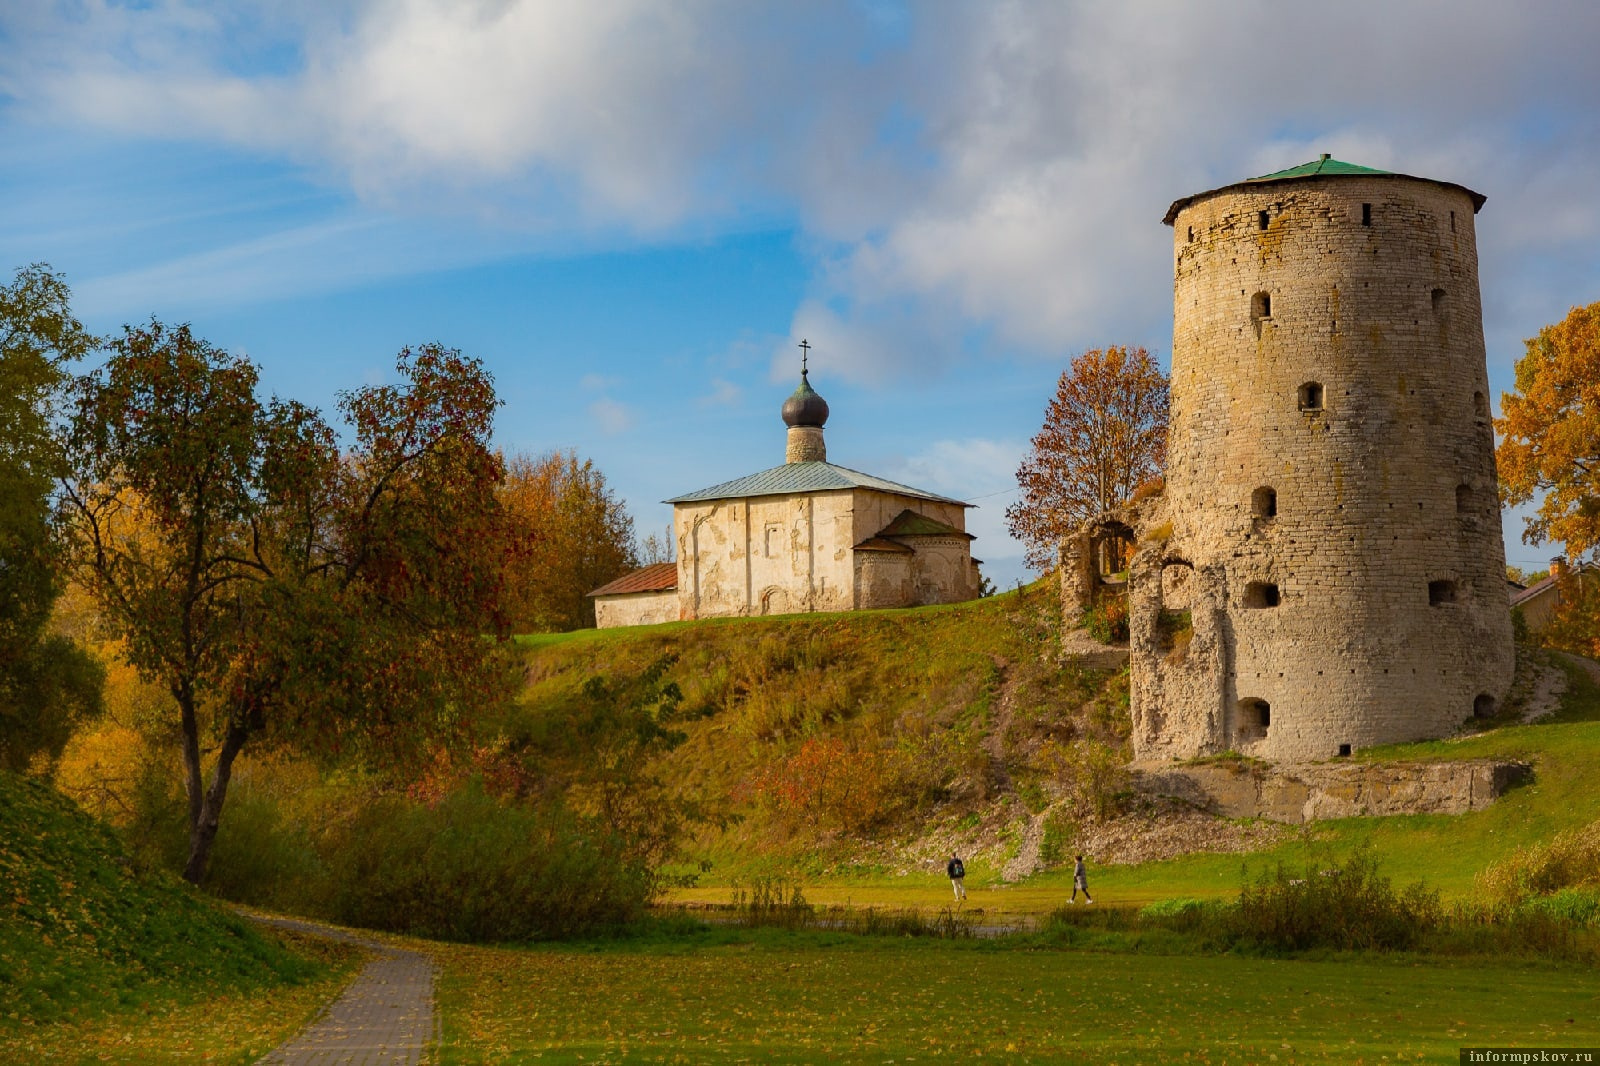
263, 856
473, 868
1574, 906
1348, 908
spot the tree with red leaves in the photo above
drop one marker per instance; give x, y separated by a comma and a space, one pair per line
1105, 434
281, 589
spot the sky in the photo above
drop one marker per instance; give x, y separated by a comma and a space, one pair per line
632, 212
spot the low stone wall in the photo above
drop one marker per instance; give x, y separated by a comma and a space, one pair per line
1308, 792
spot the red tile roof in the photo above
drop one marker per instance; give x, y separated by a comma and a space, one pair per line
657, 577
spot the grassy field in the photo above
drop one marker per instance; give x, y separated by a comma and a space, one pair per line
103, 961
773, 997
1445, 851
184, 1022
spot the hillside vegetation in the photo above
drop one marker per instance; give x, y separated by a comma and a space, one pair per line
850, 749
84, 931
820, 739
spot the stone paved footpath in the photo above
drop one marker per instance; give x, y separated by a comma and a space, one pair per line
385, 1017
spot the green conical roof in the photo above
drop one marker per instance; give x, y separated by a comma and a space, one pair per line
1324, 166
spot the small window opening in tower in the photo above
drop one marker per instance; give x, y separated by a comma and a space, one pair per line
1264, 502
1311, 396
1254, 719
1452, 222
1366, 214
1483, 706
1438, 302
1480, 406
1260, 594
1344, 750
1260, 306
1441, 592
1191, 234
1262, 219
1463, 499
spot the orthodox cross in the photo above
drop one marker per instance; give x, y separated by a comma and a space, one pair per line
805, 350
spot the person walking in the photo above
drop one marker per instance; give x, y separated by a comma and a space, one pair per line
957, 871
1080, 880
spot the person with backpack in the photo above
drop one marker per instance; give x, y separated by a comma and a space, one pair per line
1080, 880
957, 871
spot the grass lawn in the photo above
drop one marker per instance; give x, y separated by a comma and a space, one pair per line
1446, 851
775, 997
188, 1023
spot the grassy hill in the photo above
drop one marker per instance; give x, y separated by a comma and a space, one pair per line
853, 749
829, 738
84, 932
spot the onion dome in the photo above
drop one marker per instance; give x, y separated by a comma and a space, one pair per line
804, 407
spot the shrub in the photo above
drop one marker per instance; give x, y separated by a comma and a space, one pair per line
829, 784
1092, 773
1568, 860
1107, 620
1348, 908
474, 868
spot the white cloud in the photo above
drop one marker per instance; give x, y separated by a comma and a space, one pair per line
982, 472
612, 417
723, 394
988, 169
599, 382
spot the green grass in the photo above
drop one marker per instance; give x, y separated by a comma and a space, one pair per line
93, 948
771, 997
1445, 851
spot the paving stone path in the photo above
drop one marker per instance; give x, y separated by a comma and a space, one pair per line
385, 1017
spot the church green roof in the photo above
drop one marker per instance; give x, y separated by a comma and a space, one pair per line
909, 523
792, 478
1322, 167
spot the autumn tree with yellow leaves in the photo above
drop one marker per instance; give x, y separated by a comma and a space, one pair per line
1105, 434
1550, 433
579, 537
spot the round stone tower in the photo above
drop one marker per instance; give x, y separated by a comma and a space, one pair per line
1325, 569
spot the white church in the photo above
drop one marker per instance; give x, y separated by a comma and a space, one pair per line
803, 536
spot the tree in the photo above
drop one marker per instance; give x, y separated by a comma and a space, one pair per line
1550, 433
656, 547
1105, 433
281, 590
47, 683
580, 537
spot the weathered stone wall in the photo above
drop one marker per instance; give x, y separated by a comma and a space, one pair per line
884, 579
636, 609
765, 555
1295, 794
1330, 489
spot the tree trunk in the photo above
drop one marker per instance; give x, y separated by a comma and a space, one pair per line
206, 813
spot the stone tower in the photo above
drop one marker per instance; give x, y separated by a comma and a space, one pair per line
1324, 570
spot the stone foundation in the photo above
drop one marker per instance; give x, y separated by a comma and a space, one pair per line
1309, 792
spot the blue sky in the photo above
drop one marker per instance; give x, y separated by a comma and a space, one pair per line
632, 211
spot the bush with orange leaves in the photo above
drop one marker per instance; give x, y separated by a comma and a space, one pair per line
831, 785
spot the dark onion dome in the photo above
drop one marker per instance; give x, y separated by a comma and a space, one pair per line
804, 407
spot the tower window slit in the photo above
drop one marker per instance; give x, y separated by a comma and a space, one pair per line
1366, 214
1262, 219
1310, 398
1261, 594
